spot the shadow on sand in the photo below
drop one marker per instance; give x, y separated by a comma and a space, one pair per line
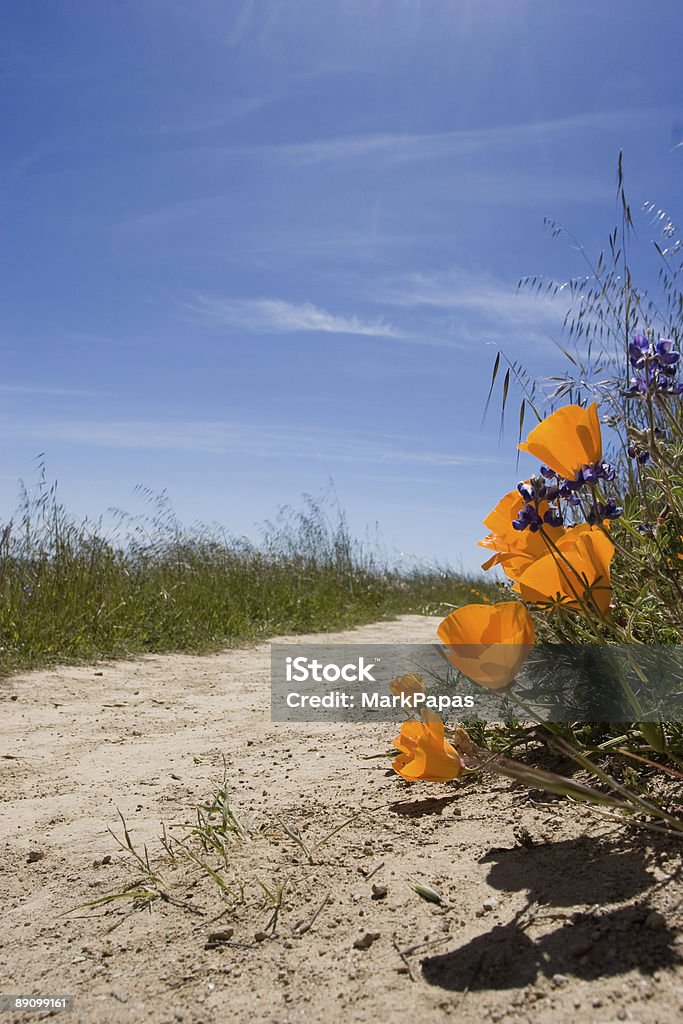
422, 808
595, 944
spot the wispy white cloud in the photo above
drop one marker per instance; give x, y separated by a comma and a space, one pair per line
428, 146
239, 439
206, 119
90, 338
276, 316
460, 290
36, 389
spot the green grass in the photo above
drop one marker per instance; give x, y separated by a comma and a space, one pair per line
71, 593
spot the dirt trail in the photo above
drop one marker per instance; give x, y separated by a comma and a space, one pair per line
549, 913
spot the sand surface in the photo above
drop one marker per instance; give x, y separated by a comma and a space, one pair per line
550, 913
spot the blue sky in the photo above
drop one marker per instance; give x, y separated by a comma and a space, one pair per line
258, 244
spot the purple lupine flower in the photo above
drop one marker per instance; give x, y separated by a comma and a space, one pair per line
640, 454
658, 364
604, 510
568, 492
638, 387
665, 352
568, 487
526, 490
553, 517
611, 510
666, 386
590, 475
637, 351
529, 518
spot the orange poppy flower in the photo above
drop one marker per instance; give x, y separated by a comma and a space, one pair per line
515, 549
488, 643
567, 440
425, 752
581, 567
407, 686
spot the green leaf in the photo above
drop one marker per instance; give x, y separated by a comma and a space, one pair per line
496, 366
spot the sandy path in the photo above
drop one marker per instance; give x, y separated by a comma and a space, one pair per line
549, 913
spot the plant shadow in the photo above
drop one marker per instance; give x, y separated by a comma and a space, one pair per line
597, 943
592, 947
421, 808
584, 870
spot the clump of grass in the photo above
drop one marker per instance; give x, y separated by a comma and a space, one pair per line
218, 825
231, 864
311, 852
72, 591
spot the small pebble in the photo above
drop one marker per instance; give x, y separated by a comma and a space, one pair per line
222, 935
365, 941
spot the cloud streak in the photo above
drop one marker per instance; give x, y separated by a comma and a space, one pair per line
461, 290
203, 120
428, 146
31, 389
223, 438
276, 316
